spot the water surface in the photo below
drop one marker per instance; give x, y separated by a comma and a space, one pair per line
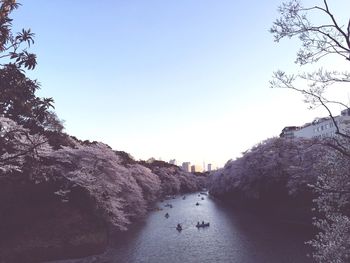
233, 236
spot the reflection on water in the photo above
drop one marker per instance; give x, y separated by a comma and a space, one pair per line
232, 237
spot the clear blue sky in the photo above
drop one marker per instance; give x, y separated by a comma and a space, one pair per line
184, 79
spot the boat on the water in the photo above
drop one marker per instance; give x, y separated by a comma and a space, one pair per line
202, 225
179, 227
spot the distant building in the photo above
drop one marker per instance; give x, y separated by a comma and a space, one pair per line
320, 127
196, 168
193, 168
288, 132
172, 161
186, 166
209, 167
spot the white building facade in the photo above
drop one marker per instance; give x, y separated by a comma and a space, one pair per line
320, 128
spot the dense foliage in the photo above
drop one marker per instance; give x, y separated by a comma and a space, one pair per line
332, 243
121, 191
273, 171
170, 184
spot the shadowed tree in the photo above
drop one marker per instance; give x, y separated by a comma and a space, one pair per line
17, 92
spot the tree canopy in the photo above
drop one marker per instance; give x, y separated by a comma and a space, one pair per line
18, 100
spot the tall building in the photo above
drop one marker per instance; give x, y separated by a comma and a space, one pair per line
320, 127
193, 168
172, 161
209, 167
186, 166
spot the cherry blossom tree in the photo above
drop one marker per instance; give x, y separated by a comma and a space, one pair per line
332, 243
173, 178
320, 40
121, 188
275, 173
18, 147
96, 169
147, 180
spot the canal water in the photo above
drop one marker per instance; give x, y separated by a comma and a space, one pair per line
233, 236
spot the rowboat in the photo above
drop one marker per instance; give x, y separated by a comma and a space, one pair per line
202, 225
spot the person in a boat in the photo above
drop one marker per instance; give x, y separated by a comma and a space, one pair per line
167, 215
